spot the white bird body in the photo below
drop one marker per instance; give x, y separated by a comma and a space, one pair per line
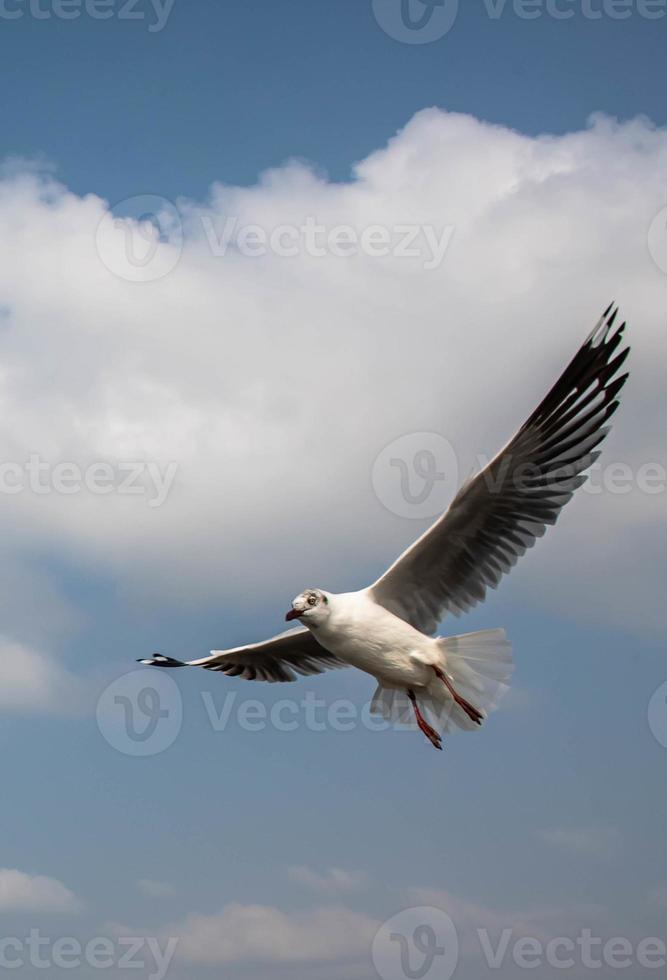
386, 630
365, 635
438, 673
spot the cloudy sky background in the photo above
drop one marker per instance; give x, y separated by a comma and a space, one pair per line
265, 389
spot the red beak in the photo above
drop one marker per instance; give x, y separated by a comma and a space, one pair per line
292, 614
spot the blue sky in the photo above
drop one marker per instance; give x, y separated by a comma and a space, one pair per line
274, 387
226, 90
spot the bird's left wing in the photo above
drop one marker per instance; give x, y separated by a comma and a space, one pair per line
296, 651
499, 514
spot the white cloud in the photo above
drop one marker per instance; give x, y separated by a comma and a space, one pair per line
594, 841
156, 889
33, 681
331, 881
21, 892
259, 933
274, 382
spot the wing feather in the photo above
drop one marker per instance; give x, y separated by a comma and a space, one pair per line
280, 659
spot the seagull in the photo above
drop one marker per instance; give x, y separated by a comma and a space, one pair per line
387, 629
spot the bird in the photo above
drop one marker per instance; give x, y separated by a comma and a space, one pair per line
387, 629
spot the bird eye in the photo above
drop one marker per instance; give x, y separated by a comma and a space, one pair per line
312, 599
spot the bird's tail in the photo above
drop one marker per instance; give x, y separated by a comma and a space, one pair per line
159, 660
479, 666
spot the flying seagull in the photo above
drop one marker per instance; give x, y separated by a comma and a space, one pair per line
387, 628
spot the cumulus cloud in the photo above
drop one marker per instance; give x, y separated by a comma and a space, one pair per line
259, 933
21, 892
273, 381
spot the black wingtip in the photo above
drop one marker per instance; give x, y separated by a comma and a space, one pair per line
600, 334
159, 660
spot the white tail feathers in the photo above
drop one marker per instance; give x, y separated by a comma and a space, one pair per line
479, 666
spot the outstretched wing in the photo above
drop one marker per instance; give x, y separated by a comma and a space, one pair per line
499, 513
296, 651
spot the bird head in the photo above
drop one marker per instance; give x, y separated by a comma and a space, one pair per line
311, 607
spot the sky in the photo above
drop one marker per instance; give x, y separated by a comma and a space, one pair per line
274, 279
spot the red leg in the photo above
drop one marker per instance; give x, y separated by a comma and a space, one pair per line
424, 726
469, 709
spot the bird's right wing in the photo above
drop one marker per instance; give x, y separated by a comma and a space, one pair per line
296, 651
499, 513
